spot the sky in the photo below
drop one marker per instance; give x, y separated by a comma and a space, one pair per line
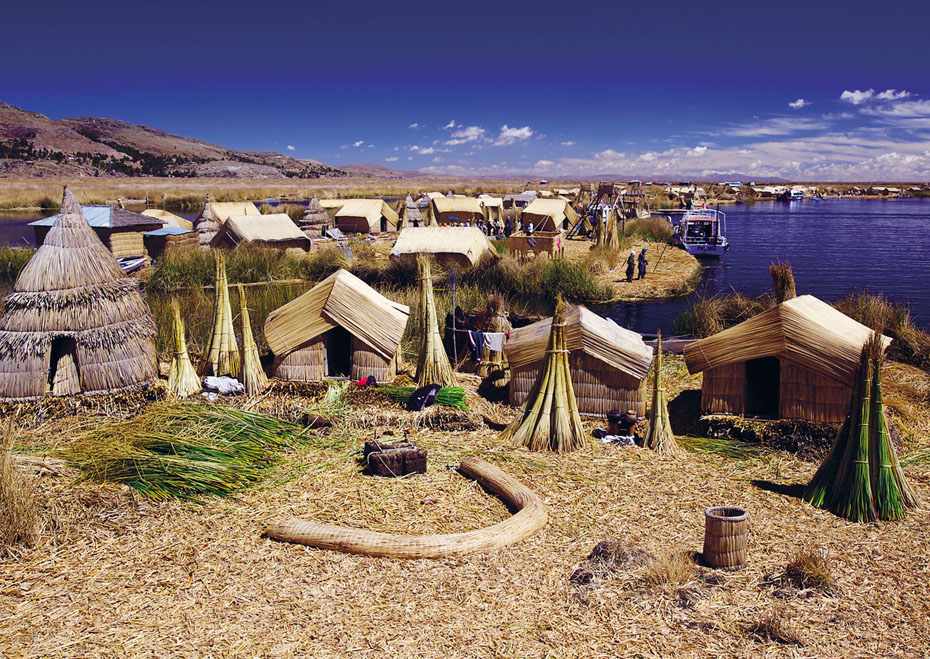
797, 90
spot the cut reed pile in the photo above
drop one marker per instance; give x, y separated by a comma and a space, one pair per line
18, 507
183, 449
183, 380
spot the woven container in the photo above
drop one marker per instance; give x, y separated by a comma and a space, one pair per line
726, 537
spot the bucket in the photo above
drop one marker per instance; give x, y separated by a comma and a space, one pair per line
726, 537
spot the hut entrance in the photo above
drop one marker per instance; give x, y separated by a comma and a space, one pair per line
63, 376
763, 378
338, 353
384, 224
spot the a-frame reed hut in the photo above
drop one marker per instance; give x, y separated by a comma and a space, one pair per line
340, 328
798, 360
608, 363
74, 323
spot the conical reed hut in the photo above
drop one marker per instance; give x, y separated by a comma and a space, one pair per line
222, 351
315, 219
433, 365
74, 322
660, 437
182, 377
550, 420
253, 375
861, 479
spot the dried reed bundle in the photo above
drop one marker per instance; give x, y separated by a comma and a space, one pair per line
550, 420
19, 515
222, 352
861, 479
783, 281
432, 361
182, 377
660, 437
253, 375
612, 239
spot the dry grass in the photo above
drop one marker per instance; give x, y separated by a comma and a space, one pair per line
671, 569
19, 517
775, 626
811, 569
89, 587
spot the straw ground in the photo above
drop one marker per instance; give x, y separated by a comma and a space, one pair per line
117, 573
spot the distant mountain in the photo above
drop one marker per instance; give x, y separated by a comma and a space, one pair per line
31, 144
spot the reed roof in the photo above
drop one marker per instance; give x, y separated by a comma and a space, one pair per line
168, 219
458, 205
557, 209
370, 209
594, 335
223, 210
468, 242
332, 203
105, 217
340, 300
491, 202
273, 227
803, 330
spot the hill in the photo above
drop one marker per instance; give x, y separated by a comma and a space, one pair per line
32, 144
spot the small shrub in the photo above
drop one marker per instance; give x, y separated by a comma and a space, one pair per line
711, 315
773, 626
654, 230
911, 345
18, 510
672, 569
811, 569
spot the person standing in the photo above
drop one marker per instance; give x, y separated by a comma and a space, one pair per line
643, 264
630, 267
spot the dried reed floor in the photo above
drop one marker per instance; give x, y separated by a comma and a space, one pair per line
117, 575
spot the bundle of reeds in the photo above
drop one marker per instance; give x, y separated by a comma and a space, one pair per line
253, 375
861, 478
660, 437
447, 396
222, 352
183, 449
783, 281
182, 378
432, 362
612, 239
550, 420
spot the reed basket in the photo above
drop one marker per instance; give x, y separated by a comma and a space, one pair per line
726, 537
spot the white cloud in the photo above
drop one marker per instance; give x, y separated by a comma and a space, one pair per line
776, 126
892, 95
697, 151
799, 104
510, 135
543, 164
465, 135
568, 143
423, 150
414, 125
857, 97
371, 146
391, 159
450, 125
291, 147
358, 143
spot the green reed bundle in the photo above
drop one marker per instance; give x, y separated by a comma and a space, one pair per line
660, 437
182, 377
550, 420
433, 365
222, 351
447, 396
253, 374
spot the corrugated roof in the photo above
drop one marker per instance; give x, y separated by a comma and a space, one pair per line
168, 231
105, 217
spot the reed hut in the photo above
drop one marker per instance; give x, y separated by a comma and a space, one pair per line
412, 216
798, 360
460, 246
166, 239
366, 216
215, 214
120, 231
74, 322
339, 328
168, 219
608, 363
549, 215
272, 230
457, 210
493, 208
315, 219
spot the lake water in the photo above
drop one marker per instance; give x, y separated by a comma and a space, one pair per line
835, 246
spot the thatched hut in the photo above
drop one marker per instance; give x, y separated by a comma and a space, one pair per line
460, 246
215, 214
120, 231
412, 217
74, 323
493, 208
161, 241
168, 219
549, 215
271, 230
798, 360
315, 219
608, 362
339, 328
457, 210
366, 216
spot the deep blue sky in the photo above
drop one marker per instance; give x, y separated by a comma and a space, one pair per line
670, 89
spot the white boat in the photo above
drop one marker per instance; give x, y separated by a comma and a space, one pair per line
703, 233
797, 194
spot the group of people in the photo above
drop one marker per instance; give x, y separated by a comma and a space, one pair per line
631, 264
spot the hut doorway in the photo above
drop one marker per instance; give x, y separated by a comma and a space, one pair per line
338, 353
64, 379
763, 384
384, 224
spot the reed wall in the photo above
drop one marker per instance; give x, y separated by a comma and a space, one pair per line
724, 389
306, 364
126, 244
367, 362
